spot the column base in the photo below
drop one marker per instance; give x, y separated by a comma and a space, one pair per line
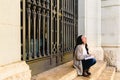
15, 71
112, 56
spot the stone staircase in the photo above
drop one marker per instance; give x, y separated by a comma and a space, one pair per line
66, 72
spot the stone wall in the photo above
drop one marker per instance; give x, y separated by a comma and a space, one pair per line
111, 32
11, 66
9, 31
15, 71
112, 56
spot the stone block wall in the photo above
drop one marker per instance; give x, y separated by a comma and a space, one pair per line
111, 32
15, 71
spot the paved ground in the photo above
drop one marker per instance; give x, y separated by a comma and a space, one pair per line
117, 76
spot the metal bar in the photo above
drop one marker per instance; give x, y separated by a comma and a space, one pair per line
58, 35
74, 21
43, 33
73, 6
48, 31
70, 35
70, 5
66, 34
54, 38
48, 4
24, 30
62, 25
63, 5
39, 29
73, 35
29, 27
51, 5
34, 26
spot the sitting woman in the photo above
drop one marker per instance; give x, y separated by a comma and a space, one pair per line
82, 59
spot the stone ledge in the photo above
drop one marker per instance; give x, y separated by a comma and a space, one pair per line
67, 72
58, 73
108, 74
110, 3
15, 71
96, 71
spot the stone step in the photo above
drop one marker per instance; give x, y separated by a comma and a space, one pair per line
108, 74
95, 70
62, 72
67, 72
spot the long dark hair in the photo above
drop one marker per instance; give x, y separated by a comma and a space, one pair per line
79, 42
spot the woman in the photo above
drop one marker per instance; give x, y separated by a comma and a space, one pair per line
82, 59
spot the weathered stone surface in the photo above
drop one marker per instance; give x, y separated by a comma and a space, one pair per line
110, 21
15, 71
117, 76
110, 57
107, 74
67, 72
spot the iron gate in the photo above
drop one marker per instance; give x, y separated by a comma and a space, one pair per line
48, 29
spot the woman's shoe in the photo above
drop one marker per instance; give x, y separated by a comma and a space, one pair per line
88, 73
85, 74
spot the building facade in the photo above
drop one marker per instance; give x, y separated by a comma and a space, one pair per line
11, 66
99, 21
37, 35
111, 31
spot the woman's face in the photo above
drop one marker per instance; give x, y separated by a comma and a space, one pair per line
84, 40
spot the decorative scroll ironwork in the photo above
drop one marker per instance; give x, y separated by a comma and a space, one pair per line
48, 28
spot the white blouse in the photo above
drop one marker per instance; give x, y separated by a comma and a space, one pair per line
84, 50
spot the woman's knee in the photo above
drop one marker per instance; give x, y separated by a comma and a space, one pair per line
94, 61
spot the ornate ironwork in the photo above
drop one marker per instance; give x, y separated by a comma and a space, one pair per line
48, 28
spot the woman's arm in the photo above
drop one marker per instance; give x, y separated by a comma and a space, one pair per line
79, 53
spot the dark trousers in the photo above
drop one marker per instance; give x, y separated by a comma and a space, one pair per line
88, 63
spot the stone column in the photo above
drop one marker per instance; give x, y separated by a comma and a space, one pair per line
11, 66
81, 17
89, 18
111, 31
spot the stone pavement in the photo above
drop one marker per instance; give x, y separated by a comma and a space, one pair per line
117, 76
